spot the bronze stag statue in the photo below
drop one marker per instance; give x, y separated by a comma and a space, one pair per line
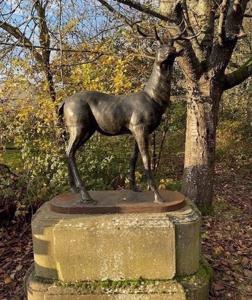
138, 114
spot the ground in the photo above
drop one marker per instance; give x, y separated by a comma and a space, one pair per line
227, 237
226, 242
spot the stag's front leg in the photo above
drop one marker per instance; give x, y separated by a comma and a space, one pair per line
132, 174
142, 140
71, 179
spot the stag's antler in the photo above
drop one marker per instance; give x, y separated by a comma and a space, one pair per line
148, 35
167, 36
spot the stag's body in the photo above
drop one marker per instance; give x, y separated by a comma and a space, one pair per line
138, 114
112, 115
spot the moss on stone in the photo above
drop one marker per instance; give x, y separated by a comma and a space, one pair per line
139, 286
110, 286
200, 278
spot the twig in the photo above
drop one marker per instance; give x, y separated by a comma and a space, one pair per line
48, 48
80, 63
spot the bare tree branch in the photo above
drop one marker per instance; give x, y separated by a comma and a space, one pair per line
222, 19
145, 9
220, 56
234, 19
115, 12
80, 63
23, 40
26, 45
191, 64
42, 58
239, 75
133, 25
12, 11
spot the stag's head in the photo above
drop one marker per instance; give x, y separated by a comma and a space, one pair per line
166, 55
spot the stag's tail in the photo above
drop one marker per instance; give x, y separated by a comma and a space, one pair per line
61, 121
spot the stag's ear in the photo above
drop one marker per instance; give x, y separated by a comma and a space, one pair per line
180, 52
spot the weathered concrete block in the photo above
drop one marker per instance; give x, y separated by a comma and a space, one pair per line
38, 289
193, 287
116, 246
95, 247
187, 223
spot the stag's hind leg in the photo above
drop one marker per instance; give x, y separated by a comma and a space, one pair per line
78, 136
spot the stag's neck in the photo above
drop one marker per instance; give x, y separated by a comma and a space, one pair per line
158, 86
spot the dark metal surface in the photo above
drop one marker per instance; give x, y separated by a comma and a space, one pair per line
110, 202
138, 114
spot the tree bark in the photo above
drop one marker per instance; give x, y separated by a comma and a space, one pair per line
204, 69
50, 82
202, 118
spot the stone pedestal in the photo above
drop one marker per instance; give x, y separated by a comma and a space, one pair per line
117, 256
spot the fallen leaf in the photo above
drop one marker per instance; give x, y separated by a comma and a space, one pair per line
248, 273
218, 286
7, 280
245, 261
19, 268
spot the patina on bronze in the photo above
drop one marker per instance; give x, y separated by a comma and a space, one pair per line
138, 114
123, 201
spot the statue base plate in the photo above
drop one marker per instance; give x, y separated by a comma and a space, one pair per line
122, 201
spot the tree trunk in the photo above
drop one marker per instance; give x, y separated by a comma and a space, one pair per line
203, 64
50, 82
202, 114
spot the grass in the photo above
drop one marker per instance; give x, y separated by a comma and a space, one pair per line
12, 158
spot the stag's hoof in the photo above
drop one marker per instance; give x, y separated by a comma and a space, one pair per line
88, 201
158, 199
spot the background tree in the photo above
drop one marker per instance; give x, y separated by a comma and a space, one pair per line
40, 52
215, 27
38, 27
